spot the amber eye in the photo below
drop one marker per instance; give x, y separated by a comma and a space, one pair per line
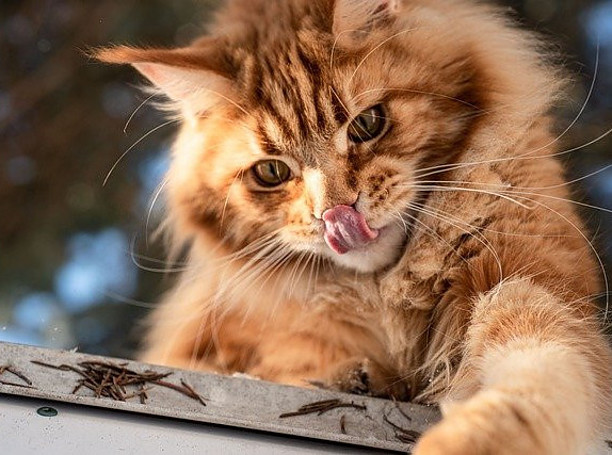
368, 125
271, 173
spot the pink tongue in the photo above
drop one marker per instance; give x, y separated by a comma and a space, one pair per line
346, 229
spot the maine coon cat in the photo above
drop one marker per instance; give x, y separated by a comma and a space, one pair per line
372, 202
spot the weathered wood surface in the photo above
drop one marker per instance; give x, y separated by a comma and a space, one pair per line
231, 401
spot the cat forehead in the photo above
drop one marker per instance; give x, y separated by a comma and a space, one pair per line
298, 94
296, 103
297, 80
289, 85
282, 51
293, 72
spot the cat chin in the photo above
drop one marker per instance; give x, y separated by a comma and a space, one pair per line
381, 253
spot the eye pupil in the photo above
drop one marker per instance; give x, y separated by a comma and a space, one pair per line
368, 125
271, 173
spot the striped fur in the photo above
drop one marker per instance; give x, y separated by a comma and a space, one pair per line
479, 293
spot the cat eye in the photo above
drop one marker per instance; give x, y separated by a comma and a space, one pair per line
271, 173
367, 125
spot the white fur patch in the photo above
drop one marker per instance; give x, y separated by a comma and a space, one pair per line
315, 186
382, 252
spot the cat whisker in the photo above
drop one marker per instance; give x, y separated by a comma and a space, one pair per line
580, 112
335, 45
339, 99
254, 247
564, 184
431, 232
142, 138
168, 268
164, 270
308, 259
130, 301
223, 262
571, 150
157, 260
469, 190
426, 172
437, 210
158, 192
591, 246
240, 174
164, 228
517, 190
313, 261
267, 257
377, 47
264, 272
398, 214
140, 106
229, 100
573, 225
418, 92
556, 198
290, 281
479, 238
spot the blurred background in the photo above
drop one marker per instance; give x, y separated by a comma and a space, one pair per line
76, 269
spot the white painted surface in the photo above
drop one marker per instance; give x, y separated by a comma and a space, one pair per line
92, 431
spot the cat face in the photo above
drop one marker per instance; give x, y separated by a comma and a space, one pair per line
304, 125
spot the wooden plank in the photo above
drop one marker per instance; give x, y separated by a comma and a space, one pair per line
231, 401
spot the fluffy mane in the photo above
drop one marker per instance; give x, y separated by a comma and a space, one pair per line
369, 190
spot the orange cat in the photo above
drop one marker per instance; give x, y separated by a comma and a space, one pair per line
371, 197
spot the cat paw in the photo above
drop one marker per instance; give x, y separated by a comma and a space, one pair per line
443, 439
482, 426
447, 439
365, 377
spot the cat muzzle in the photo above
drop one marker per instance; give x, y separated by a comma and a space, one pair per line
346, 229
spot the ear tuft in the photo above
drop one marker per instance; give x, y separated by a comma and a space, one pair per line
118, 54
189, 76
353, 16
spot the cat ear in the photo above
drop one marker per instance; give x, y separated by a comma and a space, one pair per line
357, 16
190, 76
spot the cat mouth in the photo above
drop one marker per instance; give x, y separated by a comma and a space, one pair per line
346, 230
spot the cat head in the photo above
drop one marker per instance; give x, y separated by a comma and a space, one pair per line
307, 125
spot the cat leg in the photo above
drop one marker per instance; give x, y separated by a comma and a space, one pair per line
292, 345
536, 379
184, 333
318, 346
177, 327
297, 358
